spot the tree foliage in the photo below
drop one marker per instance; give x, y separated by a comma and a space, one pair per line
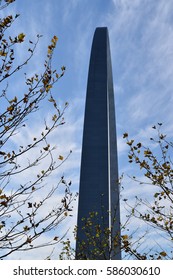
155, 211
99, 241
22, 216
156, 164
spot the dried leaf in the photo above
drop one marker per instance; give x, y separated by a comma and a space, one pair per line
124, 237
21, 37
163, 254
125, 135
61, 157
55, 238
26, 228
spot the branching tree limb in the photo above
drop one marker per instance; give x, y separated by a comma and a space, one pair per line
23, 219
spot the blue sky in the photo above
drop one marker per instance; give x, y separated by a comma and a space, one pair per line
141, 39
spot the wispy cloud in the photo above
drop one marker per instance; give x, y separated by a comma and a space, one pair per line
141, 40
